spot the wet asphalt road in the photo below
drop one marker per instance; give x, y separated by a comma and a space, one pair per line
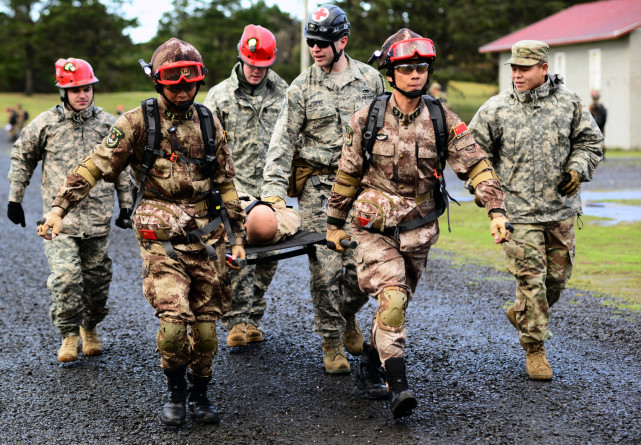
464, 363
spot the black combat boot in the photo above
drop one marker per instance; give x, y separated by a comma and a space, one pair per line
174, 411
199, 405
369, 376
403, 399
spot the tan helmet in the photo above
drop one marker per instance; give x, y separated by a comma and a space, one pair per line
405, 44
172, 51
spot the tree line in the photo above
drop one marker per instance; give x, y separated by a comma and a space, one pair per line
93, 30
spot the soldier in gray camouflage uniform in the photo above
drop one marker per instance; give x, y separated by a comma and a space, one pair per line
318, 104
79, 262
399, 187
177, 233
247, 104
544, 143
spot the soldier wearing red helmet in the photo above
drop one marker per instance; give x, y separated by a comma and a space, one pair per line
247, 104
391, 178
184, 203
79, 262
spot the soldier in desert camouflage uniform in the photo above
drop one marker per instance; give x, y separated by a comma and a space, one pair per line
247, 104
318, 104
79, 262
399, 188
188, 290
544, 143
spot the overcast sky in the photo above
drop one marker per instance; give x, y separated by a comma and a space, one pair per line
149, 13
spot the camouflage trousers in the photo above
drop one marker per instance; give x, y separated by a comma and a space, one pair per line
334, 283
540, 256
381, 265
186, 290
249, 285
79, 279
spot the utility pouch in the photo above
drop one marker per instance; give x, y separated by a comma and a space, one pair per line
372, 210
158, 221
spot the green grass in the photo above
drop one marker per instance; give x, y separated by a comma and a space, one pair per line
465, 98
38, 103
608, 260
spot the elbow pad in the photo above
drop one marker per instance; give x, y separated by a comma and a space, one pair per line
347, 191
482, 171
88, 170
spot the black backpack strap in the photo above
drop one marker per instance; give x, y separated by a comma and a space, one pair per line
151, 117
375, 119
437, 115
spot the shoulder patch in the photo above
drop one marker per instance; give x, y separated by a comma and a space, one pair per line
349, 135
461, 130
114, 137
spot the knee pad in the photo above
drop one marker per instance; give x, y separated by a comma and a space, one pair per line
392, 303
203, 337
171, 337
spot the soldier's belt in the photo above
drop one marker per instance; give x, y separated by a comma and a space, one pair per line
300, 173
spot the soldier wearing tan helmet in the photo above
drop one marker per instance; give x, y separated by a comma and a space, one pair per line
184, 202
79, 262
395, 188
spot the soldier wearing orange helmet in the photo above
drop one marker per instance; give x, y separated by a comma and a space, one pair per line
79, 262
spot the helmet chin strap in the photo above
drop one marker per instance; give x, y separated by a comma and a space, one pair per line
337, 56
182, 107
65, 100
410, 94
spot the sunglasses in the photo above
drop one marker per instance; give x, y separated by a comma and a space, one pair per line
180, 87
320, 43
420, 68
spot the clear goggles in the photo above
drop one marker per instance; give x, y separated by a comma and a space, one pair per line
184, 71
406, 49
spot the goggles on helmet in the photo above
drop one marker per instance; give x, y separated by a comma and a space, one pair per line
406, 49
183, 71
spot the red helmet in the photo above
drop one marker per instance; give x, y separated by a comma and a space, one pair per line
71, 73
257, 47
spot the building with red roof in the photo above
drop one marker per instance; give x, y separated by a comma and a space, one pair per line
594, 46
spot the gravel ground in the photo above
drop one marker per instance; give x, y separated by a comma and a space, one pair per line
464, 363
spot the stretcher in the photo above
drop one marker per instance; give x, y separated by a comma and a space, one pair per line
299, 244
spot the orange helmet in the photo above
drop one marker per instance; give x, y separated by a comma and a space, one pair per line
257, 47
71, 73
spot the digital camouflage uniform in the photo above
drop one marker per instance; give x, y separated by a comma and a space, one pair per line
398, 187
532, 137
79, 262
316, 108
191, 289
248, 120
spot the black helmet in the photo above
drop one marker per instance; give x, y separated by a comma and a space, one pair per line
328, 23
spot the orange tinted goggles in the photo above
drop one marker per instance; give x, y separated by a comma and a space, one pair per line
407, 49
177, 72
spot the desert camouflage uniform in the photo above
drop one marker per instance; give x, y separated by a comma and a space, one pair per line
399, 187
79, 263
190, 288
248, 120
317, 109
532, 137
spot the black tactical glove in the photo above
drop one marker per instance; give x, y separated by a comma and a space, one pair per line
15, 213
124, 219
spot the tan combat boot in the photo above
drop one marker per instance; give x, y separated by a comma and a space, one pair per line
90, 342
68, 352
252, 333
511, 315
334, 357
237, 335
536, 362
353, 337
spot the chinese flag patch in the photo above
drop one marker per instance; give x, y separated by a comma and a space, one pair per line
148, 234
461, 130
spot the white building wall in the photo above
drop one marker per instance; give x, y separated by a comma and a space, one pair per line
620, 83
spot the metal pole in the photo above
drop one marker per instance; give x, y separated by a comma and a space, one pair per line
304, 52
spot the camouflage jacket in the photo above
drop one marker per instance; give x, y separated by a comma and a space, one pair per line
174, 190
60, 139
249, 123
316, 109
532, 137
399, 184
